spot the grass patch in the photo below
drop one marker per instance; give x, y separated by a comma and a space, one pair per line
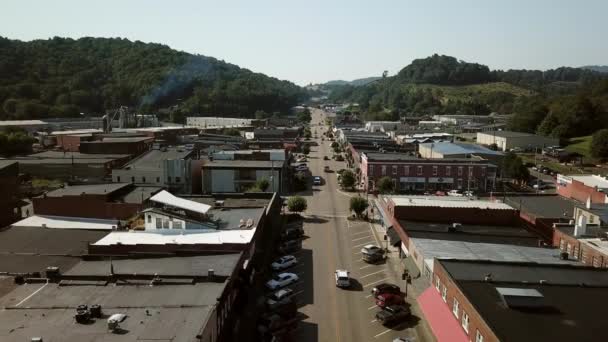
580, 145
46, 183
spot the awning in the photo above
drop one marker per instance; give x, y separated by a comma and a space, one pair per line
444, 325
393, 237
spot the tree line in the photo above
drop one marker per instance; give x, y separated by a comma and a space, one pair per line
62, 77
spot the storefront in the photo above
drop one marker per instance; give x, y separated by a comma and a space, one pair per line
440, 183
412, 183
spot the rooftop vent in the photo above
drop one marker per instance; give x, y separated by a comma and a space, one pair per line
219, 204
454, 227
518, 298
249, 223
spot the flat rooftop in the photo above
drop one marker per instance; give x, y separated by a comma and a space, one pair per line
153, 159
446, 147
543, 206
174, 313
222, 265
464, 250
251, 164
31, 249
591, 180
74, 155
569, 310
93, 189
470, 233
447, 202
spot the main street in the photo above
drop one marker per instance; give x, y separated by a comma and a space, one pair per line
333, 242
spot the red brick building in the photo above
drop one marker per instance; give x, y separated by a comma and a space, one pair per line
581, 187
488, 301
413, 174
128, 145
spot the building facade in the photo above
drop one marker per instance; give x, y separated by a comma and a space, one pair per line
507, 140
412, 174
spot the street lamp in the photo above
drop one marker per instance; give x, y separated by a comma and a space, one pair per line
408, 279
386, 239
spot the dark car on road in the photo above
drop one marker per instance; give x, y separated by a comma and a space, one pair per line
385, 288
394, 314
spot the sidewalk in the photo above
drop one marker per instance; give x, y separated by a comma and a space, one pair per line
396, 266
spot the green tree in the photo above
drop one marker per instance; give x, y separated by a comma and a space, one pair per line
599, 144
513, 167
347, 179
297, 204
386, 185
358, 205
263, 184
304, 116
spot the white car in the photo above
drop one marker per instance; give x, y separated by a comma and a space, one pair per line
277, 297
316, 180
281, 280
284, 262
342, 278
371, 249
455, 193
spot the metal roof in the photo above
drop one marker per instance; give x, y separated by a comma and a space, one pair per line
190, 237
446, 147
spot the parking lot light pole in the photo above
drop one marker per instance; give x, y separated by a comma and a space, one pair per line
386, 239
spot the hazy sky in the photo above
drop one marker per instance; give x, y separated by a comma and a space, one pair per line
315, 41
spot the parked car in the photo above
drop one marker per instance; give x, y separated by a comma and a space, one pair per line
316, 180
279, 297
387, 299
284, 262
370, 249
392, 314
385, 288
292, 232
325, 158
271, 323
290, 246
326, 169
455, 193
342, 278
301, 160
281, 280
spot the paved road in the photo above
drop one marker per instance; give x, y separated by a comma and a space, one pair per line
333, 242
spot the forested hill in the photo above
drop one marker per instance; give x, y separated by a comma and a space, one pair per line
563, 102
63, 77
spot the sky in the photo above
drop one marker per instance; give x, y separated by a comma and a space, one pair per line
315, 41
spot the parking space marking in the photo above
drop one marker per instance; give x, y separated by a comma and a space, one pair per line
374, 321
375, 282
371, 274
363, 232
368, 296
363, 244
365, 237
372, 307
382, 333
366, 266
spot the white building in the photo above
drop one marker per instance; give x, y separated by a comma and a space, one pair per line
507, 140
217, 122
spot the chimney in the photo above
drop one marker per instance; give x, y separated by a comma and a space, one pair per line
211, 273
581, 226
588, 203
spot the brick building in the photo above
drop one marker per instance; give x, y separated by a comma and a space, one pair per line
581, 187
110, 145
9, 201
118, 201
488, 301
413, 174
